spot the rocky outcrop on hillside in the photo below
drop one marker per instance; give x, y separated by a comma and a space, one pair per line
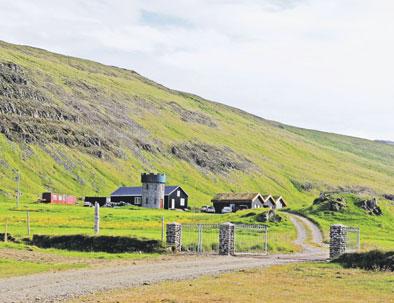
30, 113
192, 116
371, 206
211, 158
330, 202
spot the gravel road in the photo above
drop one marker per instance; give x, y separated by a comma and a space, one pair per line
61, 286
303, 225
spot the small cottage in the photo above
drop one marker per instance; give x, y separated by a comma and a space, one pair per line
279, 202
269, 201
237, 201
174, 196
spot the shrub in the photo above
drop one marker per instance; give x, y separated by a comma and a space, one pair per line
108, 244
372, 260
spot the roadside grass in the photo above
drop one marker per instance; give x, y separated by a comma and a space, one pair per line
82, 255
136, 222
11, 267
377, 232
307, 282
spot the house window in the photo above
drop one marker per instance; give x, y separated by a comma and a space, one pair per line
146, 200
178, 193
137, 201
182, 202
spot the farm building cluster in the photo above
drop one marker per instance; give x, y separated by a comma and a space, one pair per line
154, 193
239, 201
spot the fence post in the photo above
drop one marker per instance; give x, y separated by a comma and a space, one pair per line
226, 239
96, 218
6, 231
199, 245
162, 229
266, 239
28, 223
338, 234
174, 236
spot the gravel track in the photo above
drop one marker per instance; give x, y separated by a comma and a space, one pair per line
61, 286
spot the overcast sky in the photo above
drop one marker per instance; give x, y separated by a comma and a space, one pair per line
325, 65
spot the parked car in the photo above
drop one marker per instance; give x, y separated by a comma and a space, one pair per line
226, 210
204, 208
210, 209
242, 207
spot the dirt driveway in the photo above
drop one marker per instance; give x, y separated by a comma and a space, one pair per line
61, 286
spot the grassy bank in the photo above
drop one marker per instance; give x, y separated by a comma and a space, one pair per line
377, 232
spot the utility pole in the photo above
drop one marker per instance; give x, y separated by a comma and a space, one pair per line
6, 231
96, 218
18, 193
28, 223
162, 229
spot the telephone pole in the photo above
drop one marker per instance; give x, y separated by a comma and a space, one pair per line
18, 193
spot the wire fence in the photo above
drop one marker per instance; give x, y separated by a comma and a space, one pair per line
200, 238
204, 238
352, 239
251, 239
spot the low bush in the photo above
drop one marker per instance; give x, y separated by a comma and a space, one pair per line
110, 244
9, 237
372, 260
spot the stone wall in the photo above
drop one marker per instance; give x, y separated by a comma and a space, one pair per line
226, 239
338, 234
174, 236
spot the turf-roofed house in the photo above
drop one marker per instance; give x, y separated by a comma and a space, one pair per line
239, 201
152, 194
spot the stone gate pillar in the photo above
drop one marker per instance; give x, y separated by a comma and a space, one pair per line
226, 239
174, 236
338, 236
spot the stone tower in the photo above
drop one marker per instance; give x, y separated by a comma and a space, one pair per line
153, 186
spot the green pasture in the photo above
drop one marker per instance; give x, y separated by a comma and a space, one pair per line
137, 222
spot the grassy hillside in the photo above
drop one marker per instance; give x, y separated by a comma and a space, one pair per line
375, 231
79, 127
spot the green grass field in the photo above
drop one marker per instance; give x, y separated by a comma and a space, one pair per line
128, 221
11, 268
311, 282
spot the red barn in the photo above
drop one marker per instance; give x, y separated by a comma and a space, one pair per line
58, 198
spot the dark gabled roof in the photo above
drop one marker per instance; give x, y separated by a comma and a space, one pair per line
169, 189
128, 191
242, 197
137, 191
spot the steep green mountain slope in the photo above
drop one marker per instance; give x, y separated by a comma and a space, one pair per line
83, 128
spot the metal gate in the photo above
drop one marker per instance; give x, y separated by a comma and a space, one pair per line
204, 239
251, 239
200, 238
352, 239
